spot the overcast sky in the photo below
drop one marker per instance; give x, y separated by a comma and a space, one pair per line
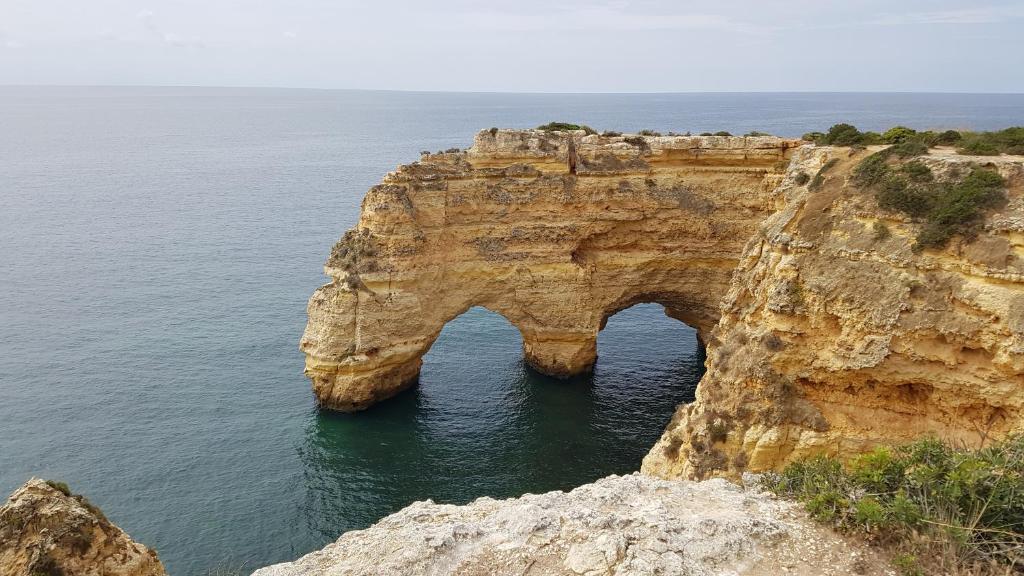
520, 45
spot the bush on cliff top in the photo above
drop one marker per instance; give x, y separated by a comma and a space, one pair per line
565, 127
960, 509
1008, 141
947, 208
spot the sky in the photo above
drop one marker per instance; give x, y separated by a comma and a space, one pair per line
520, 45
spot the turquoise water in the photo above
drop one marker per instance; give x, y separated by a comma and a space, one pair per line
158, 245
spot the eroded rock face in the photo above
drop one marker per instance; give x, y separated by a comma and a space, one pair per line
44, 531
631, 525
554, 231
836, 337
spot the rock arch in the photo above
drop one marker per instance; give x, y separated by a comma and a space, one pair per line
555, 231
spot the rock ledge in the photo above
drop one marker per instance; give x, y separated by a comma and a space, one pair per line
618, 525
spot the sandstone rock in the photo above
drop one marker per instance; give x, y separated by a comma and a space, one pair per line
554, 231
630, 525
821, 338
45, 531
833, 340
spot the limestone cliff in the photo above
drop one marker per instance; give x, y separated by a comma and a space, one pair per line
823, 334
836, 335
555, 231
632, 525
44, 530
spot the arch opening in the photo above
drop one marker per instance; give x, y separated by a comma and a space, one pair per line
481, 422
650, 357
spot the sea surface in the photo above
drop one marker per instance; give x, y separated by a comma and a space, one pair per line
158, 245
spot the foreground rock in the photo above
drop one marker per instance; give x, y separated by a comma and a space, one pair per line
619, 525
45, 531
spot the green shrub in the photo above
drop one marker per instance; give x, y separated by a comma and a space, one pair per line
947, 138
871, 170
928, 496
959, 208
722, 133
870, 138
908, 148
813, 136
917, 171
1008, 141
706, 134
565, 127
947, 208
842, 135
756, 133
61, 487
907, 564
898, 134
610, 134
648, 132
978, 147
637, 141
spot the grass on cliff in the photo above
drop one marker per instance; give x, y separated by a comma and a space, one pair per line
945, 509
955, 205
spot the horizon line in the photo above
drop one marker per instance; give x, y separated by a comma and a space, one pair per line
521, 92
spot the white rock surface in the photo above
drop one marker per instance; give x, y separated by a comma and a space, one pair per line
618, 525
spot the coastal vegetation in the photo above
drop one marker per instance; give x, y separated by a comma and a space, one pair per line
565, 127
1006, 141
954, 204
945, 509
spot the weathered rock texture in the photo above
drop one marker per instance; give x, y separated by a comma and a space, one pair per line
44, 531
554, 231
836, 337
632, 525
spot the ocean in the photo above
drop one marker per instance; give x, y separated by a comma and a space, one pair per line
158, 246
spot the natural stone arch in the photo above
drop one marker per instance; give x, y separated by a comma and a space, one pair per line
510, 226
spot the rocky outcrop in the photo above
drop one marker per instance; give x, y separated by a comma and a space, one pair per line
47, 531
837, 336
619, 525
556, 231
826, 331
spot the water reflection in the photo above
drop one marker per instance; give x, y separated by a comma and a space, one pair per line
482, 423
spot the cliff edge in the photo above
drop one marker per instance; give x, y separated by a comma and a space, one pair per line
840, 332
629, 525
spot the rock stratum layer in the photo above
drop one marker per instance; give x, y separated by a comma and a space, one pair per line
45, 531
554, 231
822, 336
631, 525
